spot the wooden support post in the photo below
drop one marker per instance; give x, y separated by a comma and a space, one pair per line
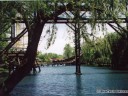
77, 43
12, 31
77, 50
76, 30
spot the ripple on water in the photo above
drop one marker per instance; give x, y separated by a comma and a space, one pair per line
61, 81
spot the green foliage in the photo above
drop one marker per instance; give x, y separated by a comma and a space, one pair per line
68, 51
3, 42
51, 35
103, 9
47, 57
100, 51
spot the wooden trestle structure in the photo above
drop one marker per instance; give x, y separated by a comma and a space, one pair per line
66, 62
15, 60
76, 24
34, 30
77, 20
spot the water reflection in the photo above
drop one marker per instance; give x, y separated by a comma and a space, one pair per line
27, 87
33, 85
60, 81
116, 80
78, 85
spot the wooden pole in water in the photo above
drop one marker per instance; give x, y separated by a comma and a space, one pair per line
77, 42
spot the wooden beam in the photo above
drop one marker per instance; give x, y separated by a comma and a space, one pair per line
115, 29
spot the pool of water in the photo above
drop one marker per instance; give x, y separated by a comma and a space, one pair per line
61, 81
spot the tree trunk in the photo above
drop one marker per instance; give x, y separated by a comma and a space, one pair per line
120, 54
21, 72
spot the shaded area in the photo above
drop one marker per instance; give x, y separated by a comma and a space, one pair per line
3, 74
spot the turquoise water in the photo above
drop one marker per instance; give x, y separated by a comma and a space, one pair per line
61, 81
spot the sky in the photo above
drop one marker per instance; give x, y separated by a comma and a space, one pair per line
58, 46
62, 39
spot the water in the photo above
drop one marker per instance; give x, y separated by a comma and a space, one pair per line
61, 81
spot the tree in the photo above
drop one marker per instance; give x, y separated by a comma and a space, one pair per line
99, 52
46, 57
68, 51
3, 41
119, 49
39, 21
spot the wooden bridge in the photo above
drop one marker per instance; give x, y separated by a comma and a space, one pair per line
66, 62
15, 60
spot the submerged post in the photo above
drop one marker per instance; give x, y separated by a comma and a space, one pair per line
77, 42
77, 51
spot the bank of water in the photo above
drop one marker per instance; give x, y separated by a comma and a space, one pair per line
61, 81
